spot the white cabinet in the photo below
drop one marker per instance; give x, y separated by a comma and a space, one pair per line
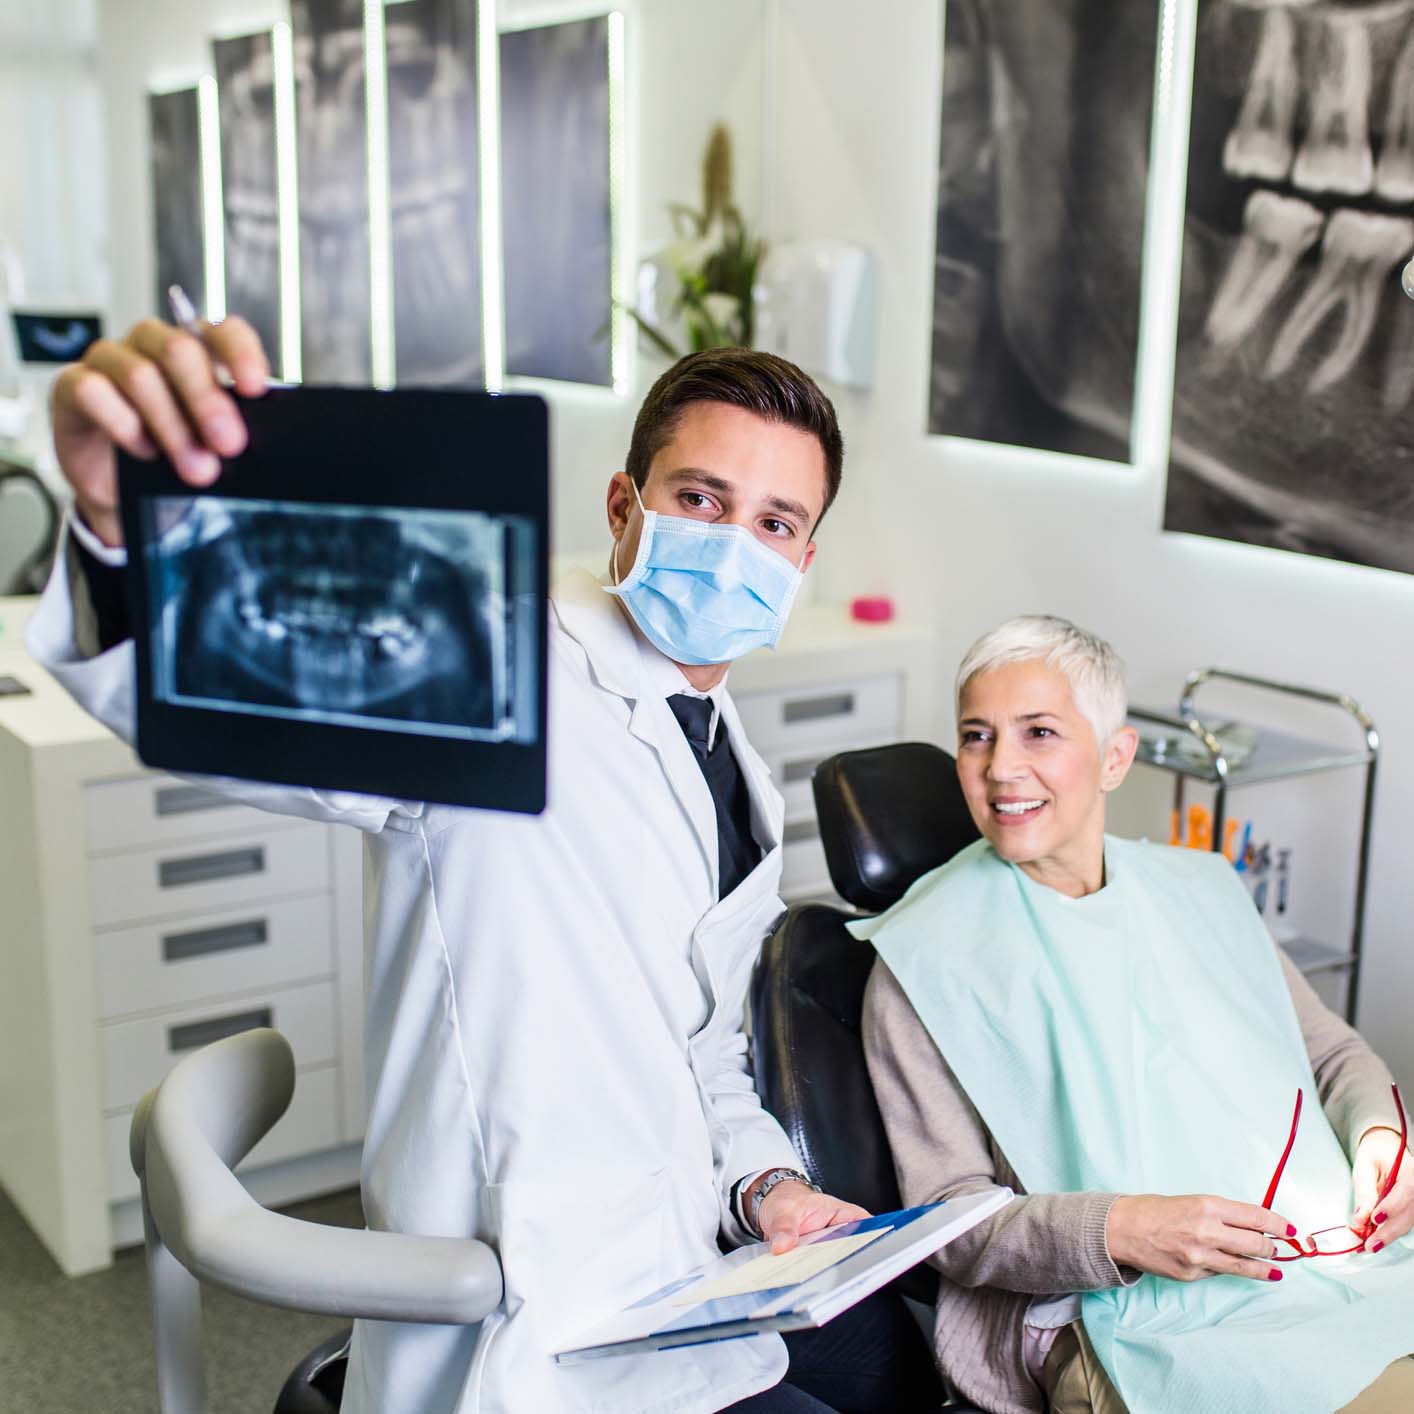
834, 685
140, 917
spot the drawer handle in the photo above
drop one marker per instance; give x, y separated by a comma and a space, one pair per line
202, 868
176, 947
793, 772
203, 1033
182, 800
798, 831
811, 709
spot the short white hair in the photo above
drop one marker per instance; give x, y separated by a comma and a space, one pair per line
1091, 666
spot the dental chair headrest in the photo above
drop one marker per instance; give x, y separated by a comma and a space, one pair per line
887, 816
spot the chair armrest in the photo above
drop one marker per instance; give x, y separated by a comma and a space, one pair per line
386, 1276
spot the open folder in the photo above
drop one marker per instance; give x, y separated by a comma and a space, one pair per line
750, 1290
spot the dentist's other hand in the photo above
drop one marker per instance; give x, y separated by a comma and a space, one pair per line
1382, 1223
155, 390
791, 1210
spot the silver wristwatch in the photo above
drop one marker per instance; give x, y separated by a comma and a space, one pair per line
773, 1178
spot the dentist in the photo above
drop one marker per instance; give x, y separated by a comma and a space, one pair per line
555, 1059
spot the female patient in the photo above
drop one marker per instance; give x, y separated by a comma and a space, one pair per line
1106, 1027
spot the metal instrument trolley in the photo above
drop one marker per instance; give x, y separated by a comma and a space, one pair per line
1273, 756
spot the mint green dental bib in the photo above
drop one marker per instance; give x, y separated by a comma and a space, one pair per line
1142, 1040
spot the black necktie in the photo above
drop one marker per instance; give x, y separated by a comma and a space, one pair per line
737, 851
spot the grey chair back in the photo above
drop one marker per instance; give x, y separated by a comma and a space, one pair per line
201, 1225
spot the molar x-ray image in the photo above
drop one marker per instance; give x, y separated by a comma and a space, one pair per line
245, 77
176, 194
1046, 116
1292, 408
396, 619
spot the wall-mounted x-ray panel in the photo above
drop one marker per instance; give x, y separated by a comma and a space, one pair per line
245, 82
433, 175
1293, 421
556, 201
332, 132
175, 129
1046, 116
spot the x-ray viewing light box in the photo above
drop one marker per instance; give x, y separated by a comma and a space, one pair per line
213, 214
357, 604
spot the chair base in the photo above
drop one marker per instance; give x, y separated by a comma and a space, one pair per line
316, 1385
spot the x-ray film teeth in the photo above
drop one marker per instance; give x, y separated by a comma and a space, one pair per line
1294, 385
401, 620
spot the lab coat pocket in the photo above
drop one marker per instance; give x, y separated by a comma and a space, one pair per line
577, 1250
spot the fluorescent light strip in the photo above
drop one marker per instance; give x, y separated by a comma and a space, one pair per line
380, 217
488, 100
213, 215
620, 332
287, 201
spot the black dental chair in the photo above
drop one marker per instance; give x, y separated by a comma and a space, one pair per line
887, 816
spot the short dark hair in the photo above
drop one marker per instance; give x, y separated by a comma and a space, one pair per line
763, 383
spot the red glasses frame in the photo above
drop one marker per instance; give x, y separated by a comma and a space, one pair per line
1301, 1251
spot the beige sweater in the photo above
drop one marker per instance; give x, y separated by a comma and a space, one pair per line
1043, 1243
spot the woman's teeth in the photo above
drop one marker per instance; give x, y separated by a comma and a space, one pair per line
1020, 807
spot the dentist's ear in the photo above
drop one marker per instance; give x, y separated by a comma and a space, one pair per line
619, 504
1117, 758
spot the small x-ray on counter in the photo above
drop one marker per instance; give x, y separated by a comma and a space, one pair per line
358, 603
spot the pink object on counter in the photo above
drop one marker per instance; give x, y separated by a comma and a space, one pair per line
876, 610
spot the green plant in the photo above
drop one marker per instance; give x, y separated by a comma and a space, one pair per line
714, 260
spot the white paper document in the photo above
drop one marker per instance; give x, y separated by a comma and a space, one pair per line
773, 1271
750, 1291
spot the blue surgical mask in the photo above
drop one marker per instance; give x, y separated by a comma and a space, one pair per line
704, 593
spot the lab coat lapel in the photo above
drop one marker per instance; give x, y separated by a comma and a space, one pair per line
615, 654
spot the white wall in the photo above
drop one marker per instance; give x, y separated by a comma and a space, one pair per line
972, 534
53, 209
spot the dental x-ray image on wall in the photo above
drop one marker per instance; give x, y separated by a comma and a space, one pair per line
245, 82
394, 619
433, 179
174, 130
555, 201
1292, 420
335, 297
1046, 116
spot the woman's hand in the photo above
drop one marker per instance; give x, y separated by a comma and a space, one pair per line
1381, 1223
790, 1210
1196, 1236
156, 390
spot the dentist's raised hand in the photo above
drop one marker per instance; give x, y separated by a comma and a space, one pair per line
155, 390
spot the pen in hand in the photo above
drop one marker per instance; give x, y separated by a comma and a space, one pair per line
183, 310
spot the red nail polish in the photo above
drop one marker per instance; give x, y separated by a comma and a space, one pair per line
1273, 1275
1291, 1229
1377, 1247
1380, 1217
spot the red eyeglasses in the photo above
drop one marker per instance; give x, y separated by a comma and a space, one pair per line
1332, 1241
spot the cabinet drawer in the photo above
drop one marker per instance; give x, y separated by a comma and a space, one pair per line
194, 876
853, 712
804, 873
794, 771
177, 963
147, 810
135, 1055
309, 1125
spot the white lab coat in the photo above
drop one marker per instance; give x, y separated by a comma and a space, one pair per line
555, 1059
